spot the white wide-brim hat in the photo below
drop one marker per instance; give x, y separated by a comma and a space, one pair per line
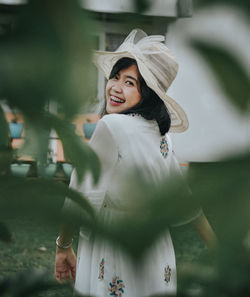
156, 64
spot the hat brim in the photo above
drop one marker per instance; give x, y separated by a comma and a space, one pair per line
106, 60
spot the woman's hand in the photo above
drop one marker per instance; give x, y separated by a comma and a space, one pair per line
65, 264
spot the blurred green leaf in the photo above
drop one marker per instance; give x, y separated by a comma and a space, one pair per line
230, 74
223, 188
221, 184
142, 5
168, 295
5, 234
77, 151
27, 283
146, 214
37, 132
38, 127
48, 56
244, 5
4, 129
42, 199
5, 161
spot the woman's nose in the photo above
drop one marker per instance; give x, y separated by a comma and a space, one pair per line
116, 87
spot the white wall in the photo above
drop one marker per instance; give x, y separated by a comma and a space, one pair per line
217, 129
157, 8
13, 1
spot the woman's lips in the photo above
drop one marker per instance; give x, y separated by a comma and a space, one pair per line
115, 101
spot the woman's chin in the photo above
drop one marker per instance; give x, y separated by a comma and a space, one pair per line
115, 109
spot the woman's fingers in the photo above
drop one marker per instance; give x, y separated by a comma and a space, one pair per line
62, 276
73, 272
65, 275
65, 265
57, 276
62, 272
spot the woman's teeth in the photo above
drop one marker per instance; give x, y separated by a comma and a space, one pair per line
115, 99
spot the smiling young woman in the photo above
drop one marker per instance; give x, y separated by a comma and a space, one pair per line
132, 134
123, 90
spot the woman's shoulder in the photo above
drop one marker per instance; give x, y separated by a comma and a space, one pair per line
115, 118
122, 126
119, 122
127, 120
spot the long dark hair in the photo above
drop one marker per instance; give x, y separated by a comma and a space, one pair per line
151, 107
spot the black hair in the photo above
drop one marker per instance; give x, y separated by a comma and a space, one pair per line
151, 107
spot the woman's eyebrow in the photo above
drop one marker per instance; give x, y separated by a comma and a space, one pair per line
131, 77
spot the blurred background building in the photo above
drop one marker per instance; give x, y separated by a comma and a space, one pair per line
216, 127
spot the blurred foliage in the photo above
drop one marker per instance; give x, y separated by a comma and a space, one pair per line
142, 5
39, 198
44, 58
75, 150
4, 139
53, 61
147, 213
230, 74
5, 234
47, 58
244, 5
224, 186
26, 284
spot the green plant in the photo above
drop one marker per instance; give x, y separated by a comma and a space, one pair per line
46, 58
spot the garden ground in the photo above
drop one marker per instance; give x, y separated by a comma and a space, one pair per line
33, 246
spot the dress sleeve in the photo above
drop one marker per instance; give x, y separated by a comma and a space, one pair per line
104, 145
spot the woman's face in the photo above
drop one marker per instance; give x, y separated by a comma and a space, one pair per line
123, 90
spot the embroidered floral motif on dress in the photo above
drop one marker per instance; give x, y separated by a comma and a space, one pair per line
164, 147
116, 287
101, 270
167, 274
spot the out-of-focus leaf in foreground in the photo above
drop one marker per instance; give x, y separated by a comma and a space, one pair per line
48, 56
223, 188
141, 5
83, 158
6, 155
4, 139
42, 199
37, 132
5, 234
27, 283
230, 74
244, 5
76, 151
149, 210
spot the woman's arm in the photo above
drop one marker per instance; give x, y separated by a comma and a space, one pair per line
104, 145
202, 226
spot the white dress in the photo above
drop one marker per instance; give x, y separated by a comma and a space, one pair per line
123, 142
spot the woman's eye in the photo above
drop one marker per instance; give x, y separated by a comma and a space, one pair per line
128, 82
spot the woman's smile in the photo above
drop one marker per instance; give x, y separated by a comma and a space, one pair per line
116, 101
123, 90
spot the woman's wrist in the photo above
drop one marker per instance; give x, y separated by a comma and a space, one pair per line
63, 245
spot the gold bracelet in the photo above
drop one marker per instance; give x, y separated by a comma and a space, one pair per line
63, 246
